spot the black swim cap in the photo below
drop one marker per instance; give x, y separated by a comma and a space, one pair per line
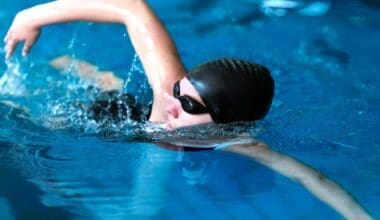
233, 89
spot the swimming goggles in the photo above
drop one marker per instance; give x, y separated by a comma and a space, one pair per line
189, 104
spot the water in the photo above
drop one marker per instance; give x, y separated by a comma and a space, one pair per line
55, 163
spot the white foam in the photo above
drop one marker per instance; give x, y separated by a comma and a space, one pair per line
284, 4
12, 81
315, 9
278, 7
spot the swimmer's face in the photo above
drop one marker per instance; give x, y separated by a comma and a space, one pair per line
177, 115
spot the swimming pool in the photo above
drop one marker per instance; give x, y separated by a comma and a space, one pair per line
323, 56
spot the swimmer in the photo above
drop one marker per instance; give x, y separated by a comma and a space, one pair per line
217, 91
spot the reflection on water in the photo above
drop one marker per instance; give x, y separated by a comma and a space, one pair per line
66, 175
91, 178
20, 199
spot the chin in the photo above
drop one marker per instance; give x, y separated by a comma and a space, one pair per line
172, 126
169, 128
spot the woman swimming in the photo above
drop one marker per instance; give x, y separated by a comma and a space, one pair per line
221, 91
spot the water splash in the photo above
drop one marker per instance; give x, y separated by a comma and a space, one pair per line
68, 103
140, 89
283, 7
12, 80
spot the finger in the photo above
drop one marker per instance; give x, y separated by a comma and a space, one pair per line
28, 45
7, 36
11, 44
26, 49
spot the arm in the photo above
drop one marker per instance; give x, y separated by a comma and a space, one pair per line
89, 73
323, 188
149, 37
320, 186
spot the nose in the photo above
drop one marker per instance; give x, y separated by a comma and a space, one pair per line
172, 105
172, 110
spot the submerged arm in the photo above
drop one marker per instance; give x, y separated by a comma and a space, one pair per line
149, 37
323, 188
89, 73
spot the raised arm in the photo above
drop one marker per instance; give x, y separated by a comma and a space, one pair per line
149, 37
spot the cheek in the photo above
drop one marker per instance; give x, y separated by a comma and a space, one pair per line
180, 121
186, 119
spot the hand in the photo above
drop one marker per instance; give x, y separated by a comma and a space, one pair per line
21, 30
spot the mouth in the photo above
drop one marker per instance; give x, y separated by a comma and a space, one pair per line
168, 126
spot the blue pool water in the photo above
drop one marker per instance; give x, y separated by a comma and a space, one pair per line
323, 55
